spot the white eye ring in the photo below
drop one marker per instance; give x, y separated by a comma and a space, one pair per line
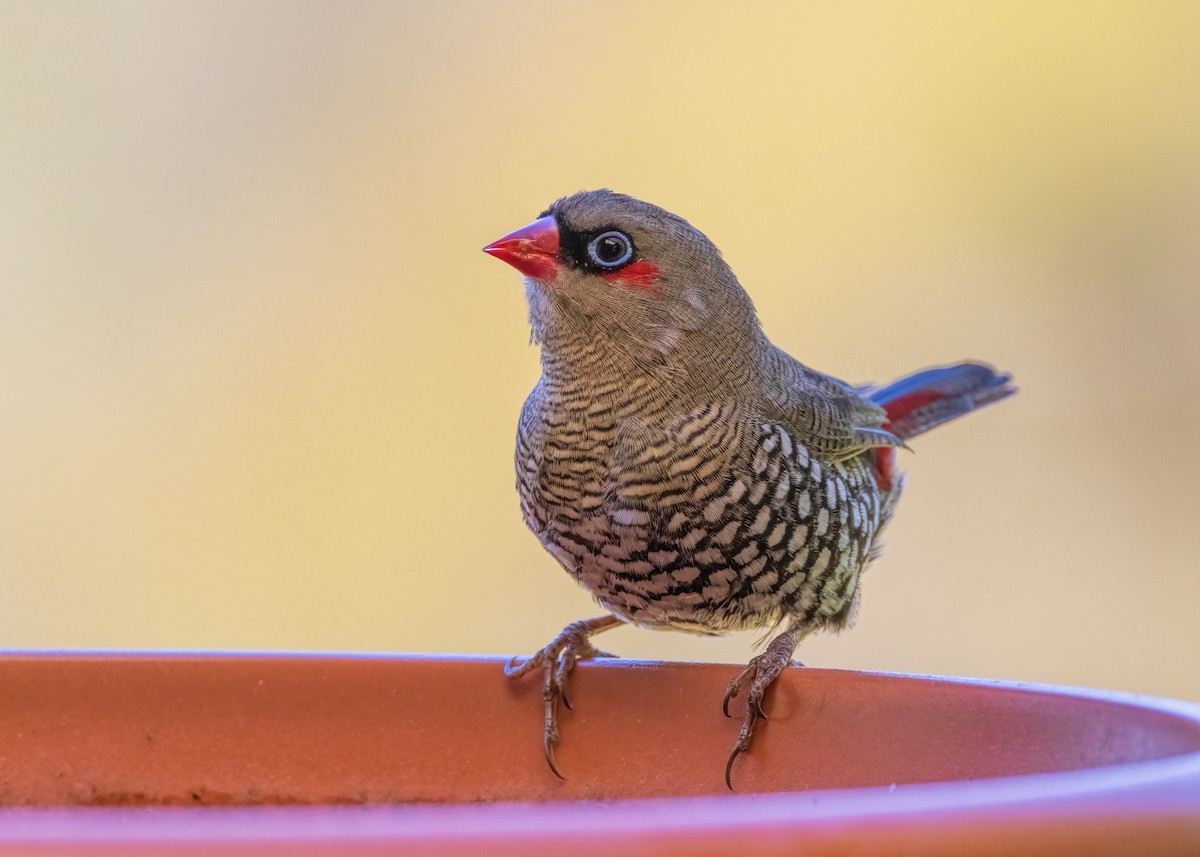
611, 240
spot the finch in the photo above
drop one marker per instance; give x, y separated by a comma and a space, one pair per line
686, 472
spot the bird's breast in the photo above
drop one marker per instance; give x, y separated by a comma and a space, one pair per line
703, 520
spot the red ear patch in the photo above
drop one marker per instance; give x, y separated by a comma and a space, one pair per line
636, 275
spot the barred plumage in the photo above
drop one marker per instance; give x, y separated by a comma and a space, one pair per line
686, 472
717, 524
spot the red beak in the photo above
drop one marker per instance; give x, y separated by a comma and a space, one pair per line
532, 249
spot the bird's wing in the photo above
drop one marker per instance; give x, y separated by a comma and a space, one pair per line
828, 416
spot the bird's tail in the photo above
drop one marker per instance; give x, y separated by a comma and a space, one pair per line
926, 399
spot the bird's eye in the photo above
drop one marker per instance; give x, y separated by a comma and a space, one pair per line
610, 249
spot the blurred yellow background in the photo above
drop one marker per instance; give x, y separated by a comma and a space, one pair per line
260, 386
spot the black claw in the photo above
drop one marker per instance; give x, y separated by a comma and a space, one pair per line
737, 751
562, 694
550, 759
729, 694
758, 709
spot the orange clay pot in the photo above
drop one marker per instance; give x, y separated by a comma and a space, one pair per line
135, 754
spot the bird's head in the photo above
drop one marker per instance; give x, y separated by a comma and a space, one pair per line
607, 267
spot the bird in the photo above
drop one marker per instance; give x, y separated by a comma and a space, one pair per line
685, 471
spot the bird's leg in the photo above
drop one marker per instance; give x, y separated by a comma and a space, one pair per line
760, 673
559, 658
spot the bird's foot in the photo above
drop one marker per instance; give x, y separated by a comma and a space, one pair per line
759, 674
559, 658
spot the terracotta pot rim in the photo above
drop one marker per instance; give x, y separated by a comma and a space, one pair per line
959, 793
1102, 801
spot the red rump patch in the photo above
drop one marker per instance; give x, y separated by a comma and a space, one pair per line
885, 466
637, 275
906, 404
897, 408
